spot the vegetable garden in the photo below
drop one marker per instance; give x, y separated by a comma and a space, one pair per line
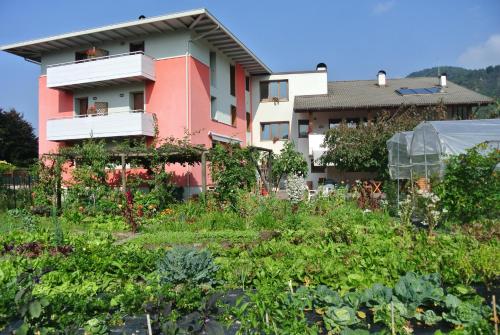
234, 261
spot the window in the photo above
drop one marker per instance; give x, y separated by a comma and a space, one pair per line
233, 116
247, 83
213, 107
136, 46
249, 122
334, 123
274, 131
352, 122
303, 128
232, 80
101, 108
137, 99
459, 113
82, 105
213, 61
276, 89
316, 169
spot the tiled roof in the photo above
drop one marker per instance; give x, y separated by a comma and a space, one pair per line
367, 94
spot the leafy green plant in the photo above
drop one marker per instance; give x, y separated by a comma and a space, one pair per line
30, 308
96, 327
187, 265
338, 317
416, 290
459, 312
470, 189
232, 168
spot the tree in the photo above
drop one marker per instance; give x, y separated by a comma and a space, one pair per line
289, 161
18, 143
363, 148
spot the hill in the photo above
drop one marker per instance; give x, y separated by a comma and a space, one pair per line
485, 81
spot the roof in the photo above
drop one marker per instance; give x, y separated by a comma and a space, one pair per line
201, 21
367, 94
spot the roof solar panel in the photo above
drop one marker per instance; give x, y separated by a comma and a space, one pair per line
425, 90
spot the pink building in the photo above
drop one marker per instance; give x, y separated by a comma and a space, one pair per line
185, 68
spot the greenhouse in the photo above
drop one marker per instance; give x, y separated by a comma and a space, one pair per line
422, 152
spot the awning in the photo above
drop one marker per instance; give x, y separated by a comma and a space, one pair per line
224, 138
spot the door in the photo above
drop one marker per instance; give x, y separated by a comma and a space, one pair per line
83, 106
138, 101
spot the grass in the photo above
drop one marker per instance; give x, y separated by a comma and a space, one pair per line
168, 238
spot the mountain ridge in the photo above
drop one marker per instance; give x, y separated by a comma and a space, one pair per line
485, 81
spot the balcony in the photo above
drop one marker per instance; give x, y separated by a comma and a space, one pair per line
132, 123
107, 70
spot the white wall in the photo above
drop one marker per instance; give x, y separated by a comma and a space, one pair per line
111, 95
306, 83
162, 45
298, 84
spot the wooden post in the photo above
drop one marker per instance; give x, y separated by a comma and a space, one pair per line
124, 173
204, 171
393, 324
495, 318
14, 188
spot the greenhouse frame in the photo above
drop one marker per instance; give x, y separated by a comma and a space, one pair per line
423, 151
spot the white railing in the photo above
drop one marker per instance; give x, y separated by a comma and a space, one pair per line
80, 116
113, 68
115, 124
100, 58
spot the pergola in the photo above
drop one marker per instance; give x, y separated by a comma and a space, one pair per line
168, 153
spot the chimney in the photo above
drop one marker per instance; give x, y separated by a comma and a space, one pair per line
321, 67
442, 80
381, 78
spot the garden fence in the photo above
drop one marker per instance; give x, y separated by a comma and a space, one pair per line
15, 189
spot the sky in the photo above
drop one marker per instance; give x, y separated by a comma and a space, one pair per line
354, 38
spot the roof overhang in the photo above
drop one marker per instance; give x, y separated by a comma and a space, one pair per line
388, 106
200, 21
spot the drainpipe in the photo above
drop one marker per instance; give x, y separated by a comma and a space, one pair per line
187, 115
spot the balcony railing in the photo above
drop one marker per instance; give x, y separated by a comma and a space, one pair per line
117, 124
120, 68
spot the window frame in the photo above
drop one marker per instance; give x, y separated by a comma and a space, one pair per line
234, 116
303, 122
247, 83
271, 99
213, 68
232, 80
213, 108
137, 44
272, 137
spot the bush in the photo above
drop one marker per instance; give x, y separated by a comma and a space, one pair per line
470, 189
187, 266
232, 169
363, 148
